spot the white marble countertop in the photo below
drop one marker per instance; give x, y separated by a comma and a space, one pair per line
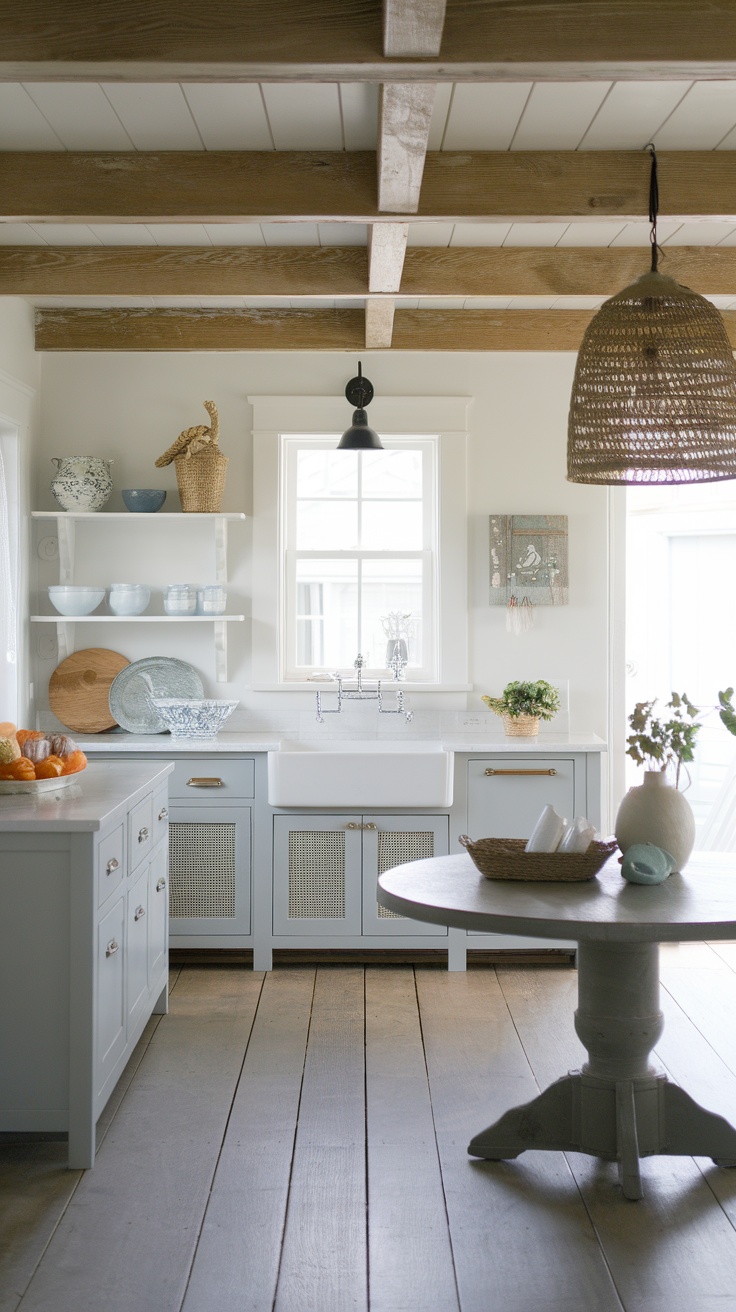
92, 802
245, 741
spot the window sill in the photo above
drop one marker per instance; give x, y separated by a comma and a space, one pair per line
387, 685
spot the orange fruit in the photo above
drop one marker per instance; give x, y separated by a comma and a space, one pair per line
20, 769
23, 735
50, 768
72, 763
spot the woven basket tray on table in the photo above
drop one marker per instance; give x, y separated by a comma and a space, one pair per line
505, 858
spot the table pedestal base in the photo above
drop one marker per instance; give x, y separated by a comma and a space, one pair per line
617, 1107
620, 1121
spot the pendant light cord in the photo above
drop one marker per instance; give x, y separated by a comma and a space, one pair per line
653, 205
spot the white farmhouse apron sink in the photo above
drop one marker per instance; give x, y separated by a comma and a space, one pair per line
360, 774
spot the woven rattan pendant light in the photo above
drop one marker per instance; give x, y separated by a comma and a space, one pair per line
654, 394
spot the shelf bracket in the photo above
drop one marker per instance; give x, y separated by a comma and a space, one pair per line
64, 639
66, 535
220, 549
220, 651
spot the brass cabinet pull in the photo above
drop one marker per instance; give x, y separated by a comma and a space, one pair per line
351, 824
544, 772
370, 825
204, 783
140, 913
112, 865
161, 885
112, 947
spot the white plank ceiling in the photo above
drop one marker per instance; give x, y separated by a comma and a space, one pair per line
116, 117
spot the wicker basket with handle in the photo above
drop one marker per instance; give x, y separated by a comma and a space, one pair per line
505, 858
200, 465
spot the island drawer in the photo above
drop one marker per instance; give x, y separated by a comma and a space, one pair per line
140, 833
208, 777
110, 864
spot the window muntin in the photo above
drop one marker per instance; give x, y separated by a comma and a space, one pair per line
359, 548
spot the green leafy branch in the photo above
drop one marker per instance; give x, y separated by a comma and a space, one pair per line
659, 743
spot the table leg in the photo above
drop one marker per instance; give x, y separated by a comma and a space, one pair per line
618, 1107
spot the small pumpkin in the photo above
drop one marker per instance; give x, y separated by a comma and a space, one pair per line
61, 744
21, 769
36, 749
51, 768
74, 762
23, 735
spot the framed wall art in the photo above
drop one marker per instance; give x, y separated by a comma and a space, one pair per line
528, 560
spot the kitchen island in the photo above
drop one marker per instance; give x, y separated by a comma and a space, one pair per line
83, 943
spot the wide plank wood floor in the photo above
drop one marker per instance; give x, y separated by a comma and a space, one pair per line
296, 1142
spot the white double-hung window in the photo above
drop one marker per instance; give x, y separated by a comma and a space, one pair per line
359, 552
360, 555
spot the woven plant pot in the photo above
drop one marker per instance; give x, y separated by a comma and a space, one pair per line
201, 480
521, 726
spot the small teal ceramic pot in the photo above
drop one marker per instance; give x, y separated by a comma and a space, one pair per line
144, 499
643, 863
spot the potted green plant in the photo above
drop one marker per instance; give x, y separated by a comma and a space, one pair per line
523, 704
656, 811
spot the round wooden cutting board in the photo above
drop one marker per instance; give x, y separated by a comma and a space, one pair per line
79, 689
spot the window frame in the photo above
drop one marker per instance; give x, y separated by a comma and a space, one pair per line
291, 444
443, 419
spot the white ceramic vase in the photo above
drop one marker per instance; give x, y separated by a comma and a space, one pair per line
81, 482
655, 812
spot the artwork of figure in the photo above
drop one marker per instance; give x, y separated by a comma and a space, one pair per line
528, 560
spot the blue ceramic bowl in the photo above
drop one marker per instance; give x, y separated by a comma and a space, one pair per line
143, 498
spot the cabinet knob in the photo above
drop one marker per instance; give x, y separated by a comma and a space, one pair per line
204, 783
521, 772
142, 834
139, 913
370, 825
161, 885
112, 865
163, 814
112, 947
351, 824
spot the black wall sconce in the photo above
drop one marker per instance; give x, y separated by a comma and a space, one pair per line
360, 436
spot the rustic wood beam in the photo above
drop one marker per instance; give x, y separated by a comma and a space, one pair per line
344, 271
314, 186
386, 252
312, 271
313, 330
379, 323
341, 40
413, 27
404, 117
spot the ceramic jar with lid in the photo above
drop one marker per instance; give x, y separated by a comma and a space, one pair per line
212, 600
180, 599
129, 598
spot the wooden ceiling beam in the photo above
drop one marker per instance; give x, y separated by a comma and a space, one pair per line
344, 271
404, 117
386, 254
313, 330
316, 186
413, 27
342, 40
379, 323
326, 271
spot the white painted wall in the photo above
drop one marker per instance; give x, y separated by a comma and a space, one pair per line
130, 407
19, 370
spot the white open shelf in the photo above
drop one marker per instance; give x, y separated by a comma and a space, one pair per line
66, 625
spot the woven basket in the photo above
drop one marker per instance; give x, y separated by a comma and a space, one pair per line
201, 480
521, 726
505, 858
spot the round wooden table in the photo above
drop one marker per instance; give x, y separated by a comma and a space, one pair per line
618, 1106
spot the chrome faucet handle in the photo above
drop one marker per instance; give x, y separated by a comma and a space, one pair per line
359, 662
